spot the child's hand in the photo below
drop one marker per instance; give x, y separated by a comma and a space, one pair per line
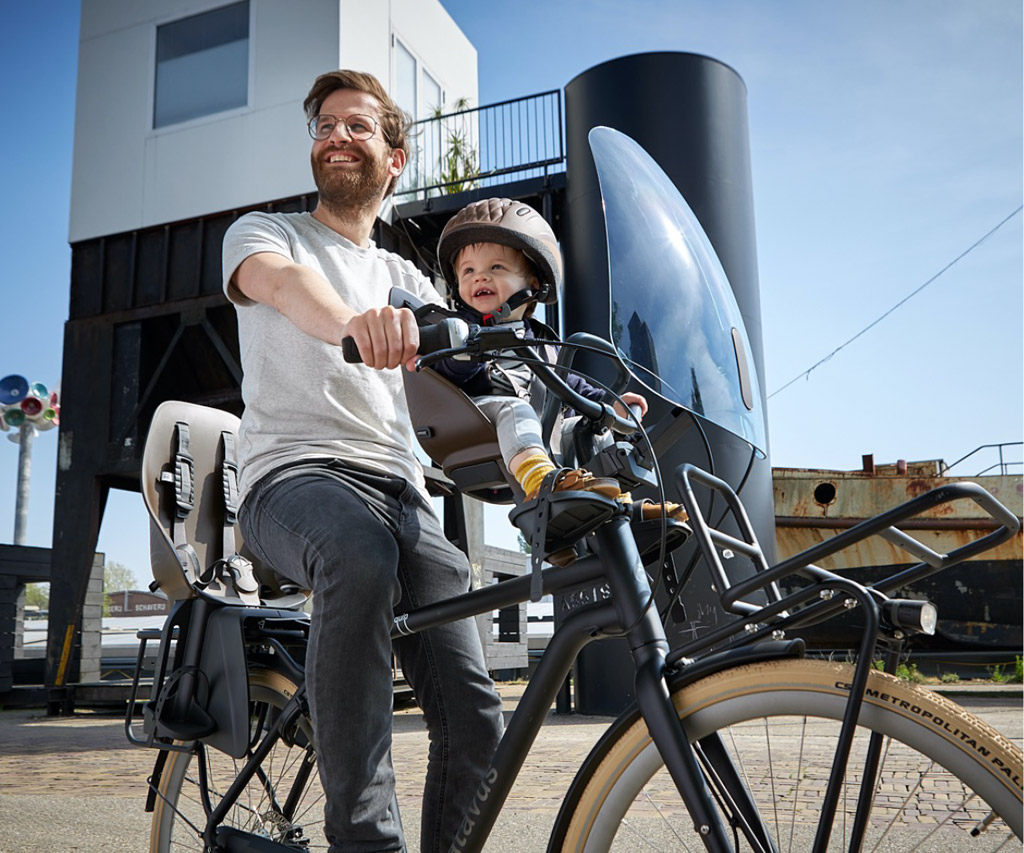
630, 399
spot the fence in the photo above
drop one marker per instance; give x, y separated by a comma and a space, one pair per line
484, 146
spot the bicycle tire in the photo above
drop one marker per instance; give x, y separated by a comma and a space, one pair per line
623, 799
179, 815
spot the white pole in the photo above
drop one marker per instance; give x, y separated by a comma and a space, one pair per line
26, 432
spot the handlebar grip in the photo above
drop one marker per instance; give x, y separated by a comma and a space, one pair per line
350, 352
433, 337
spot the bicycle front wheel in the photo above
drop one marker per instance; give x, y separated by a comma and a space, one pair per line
283, 802
947, 781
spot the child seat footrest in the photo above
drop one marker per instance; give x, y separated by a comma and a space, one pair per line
555, 521
648, 536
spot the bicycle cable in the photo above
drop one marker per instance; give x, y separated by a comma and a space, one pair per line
656, 468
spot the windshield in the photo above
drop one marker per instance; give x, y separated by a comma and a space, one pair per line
673, 314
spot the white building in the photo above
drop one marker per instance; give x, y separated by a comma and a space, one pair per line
189, 107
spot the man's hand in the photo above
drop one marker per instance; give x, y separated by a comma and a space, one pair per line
386, 337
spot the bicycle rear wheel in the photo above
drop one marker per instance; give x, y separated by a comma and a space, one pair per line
283, 802
943, 772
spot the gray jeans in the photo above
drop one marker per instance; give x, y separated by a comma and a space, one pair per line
368, 545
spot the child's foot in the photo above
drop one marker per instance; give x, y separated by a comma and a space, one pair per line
580, 480
649, 511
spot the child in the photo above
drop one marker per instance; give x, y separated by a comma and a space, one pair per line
500, 258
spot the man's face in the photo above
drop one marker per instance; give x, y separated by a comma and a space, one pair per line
349, 172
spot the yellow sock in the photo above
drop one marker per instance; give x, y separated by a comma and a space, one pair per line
532, 471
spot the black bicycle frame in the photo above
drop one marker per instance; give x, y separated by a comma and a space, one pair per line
627, 611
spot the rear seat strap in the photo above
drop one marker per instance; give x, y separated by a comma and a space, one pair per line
183, 477
233, 567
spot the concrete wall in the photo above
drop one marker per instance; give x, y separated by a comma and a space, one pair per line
92, 625
128, 175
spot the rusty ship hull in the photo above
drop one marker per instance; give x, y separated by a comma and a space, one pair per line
980, 602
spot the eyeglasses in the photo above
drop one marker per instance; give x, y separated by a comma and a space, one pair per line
358, 126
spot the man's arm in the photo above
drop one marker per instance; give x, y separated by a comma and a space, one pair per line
386, 336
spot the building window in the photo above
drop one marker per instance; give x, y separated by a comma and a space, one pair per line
418, 93
431, 96
415, 90
405, 80
202, 65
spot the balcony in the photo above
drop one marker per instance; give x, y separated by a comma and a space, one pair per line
483, 147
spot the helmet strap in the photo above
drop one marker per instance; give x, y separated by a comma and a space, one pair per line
515, 301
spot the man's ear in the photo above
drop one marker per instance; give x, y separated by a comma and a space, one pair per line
397, 161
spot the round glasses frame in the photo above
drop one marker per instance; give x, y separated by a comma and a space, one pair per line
358, 126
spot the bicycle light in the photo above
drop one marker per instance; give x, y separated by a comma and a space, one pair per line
917, 616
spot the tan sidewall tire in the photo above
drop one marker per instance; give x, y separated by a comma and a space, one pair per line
817, 688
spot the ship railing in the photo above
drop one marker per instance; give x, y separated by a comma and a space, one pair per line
1004, 466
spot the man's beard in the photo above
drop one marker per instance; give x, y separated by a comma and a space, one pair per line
347, 189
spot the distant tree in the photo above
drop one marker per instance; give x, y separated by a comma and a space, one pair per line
524, 546
37, 595
117, 576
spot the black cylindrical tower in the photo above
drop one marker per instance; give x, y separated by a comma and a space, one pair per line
689, 113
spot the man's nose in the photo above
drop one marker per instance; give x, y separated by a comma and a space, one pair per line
341, 130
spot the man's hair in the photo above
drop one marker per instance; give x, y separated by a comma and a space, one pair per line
394, 121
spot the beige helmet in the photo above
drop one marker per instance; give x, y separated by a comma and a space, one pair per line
508, 223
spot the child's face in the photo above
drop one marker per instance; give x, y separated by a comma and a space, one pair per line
489, 274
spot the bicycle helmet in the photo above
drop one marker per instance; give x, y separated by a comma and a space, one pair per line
508, 223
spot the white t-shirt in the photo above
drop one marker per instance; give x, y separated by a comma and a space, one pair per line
302, 400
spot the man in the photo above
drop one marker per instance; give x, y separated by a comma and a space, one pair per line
333, 497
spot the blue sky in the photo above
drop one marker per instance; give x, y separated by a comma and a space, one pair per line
886, 138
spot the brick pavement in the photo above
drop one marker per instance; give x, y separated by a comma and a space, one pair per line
77, 782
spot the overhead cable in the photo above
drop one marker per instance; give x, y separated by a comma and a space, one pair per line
963, 254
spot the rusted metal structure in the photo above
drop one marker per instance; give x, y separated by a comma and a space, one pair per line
980, 603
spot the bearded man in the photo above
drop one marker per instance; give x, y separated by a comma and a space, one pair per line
333, 497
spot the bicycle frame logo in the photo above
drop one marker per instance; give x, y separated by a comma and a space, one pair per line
483, 793
583, 597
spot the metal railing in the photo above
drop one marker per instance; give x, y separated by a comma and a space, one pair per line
484, 146
1003, 465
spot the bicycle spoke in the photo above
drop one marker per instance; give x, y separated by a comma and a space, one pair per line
799, 771
281, 802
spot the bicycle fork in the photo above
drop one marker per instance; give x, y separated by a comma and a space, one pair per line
648, 643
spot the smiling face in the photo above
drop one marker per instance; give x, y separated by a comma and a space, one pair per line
490, 273
350, 172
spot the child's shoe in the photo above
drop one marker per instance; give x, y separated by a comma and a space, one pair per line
648, 511
581, 480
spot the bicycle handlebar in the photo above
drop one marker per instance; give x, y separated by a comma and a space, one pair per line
455, 338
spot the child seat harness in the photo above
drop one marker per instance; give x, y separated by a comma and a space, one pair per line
232, 571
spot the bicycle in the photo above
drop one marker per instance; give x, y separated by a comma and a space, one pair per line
236, 770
